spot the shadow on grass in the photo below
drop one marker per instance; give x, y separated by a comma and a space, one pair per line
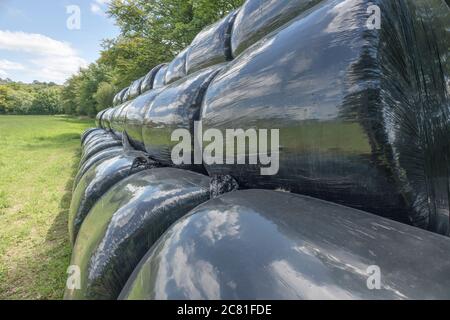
59, 256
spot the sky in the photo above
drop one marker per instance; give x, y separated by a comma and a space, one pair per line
47, 40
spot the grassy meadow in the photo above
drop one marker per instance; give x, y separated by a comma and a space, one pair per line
38, 159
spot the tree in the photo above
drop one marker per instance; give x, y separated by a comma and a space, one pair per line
104, 96
47, 101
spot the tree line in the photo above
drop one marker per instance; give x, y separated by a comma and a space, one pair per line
152, 32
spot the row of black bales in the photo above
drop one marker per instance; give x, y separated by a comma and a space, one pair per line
363, 117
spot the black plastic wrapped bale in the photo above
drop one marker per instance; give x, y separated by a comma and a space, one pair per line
119, 121
258, 245
98, 180
88, 153
135, 117
118, 97
106, 119
89, 132
176, 107
102, 123
126, 222
211, 46
257, 19
95, 138
147, 83
135, 88
96, 158
126, 95
363, 114
98, 118
177, 68
160, 77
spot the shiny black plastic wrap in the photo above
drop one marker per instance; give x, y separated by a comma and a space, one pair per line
106, 119
257, 19
118, 119
98, 118
96, 158
211, 46
147, 83
362, 113
177, 68
94, 149
260, 244
98, 180
126, 95
135, 88
116, 100
135, 117
122, 96
126, 222
160, 77
90, 131
176, 107
118, 97
96, 137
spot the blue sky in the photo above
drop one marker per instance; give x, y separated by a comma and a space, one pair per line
36, 44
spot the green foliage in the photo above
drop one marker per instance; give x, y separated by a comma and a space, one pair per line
35, 98
104, 95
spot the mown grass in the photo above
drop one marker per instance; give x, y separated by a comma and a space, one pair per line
38, 159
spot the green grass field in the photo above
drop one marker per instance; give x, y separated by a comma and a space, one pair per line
38, 159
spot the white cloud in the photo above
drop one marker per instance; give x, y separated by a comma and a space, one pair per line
9, 65
50, 59
99, 7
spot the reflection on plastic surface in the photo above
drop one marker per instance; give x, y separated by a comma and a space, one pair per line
176, 107
177, 68
126, 95
258, 244
363, 114
118, 97
160, 77
90, 131
147, 83
135, 88
211, 46
135, 117
118, 119
106, 119
97, 180
126, 222
96, 137
98, 147
257, 19
99, 156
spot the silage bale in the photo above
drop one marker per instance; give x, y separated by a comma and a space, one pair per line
175, 107
257, 19
211, 46
160, 77
147, 83
177, 68
362, 113
267, 245
124, 224
97, 181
